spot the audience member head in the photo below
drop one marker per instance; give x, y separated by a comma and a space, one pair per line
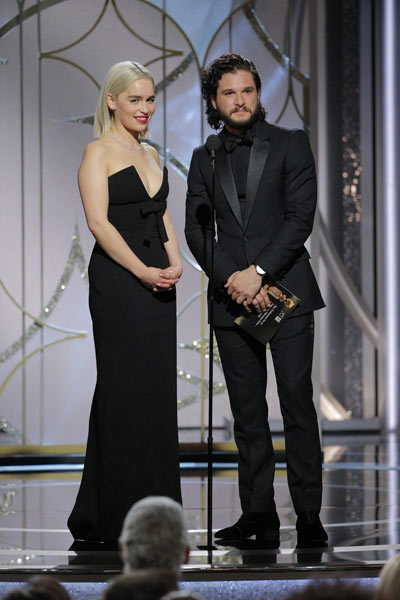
389, 580
340, 590
41, 587
149, 584
154, 535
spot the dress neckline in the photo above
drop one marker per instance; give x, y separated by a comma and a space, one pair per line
140, 179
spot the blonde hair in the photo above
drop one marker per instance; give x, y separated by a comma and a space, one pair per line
117, 80
389, 580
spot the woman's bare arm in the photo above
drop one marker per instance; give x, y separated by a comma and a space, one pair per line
172, 246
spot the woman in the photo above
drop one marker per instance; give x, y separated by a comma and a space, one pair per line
132, 448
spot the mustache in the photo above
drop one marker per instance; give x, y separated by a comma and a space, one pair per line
241, 108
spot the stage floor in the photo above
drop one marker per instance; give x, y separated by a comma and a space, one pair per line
360, 511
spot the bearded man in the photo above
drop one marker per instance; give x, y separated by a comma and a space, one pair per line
265, 199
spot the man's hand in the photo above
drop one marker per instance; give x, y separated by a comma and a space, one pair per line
244, 285
261, 301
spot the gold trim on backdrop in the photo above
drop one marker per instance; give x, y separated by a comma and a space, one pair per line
233, 474
224, 22
8, 428
175, 73
72, 64
157, 58
170, 51
31, 354
68, 475
42, 449
44, 4
160, 10
75, 256
273, 48
85, 35
306, 108
293, 97
278, 445
247, 7
76, 476
286, 102
26, 14
38, 320
196, 345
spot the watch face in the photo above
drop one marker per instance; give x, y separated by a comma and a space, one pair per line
259, 270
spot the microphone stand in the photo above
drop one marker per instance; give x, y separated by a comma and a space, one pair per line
212, 145
210, 440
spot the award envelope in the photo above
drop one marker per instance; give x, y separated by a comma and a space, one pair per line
264, 325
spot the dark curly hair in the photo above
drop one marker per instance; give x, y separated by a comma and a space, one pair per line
333, 591
227, 63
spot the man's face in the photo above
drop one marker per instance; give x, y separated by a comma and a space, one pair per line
237, 100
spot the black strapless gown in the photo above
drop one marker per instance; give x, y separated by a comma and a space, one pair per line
132, 448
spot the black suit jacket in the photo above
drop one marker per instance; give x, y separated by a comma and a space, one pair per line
281, 198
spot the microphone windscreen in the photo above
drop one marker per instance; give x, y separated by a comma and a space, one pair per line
213, 143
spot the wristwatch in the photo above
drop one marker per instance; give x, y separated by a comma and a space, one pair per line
259, 270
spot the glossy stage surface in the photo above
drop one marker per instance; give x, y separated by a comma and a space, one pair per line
360, 511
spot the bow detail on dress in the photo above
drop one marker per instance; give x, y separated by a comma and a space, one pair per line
155, 208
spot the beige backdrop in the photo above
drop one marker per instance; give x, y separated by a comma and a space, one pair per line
55, 54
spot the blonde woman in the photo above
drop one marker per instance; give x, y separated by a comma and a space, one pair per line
132, 448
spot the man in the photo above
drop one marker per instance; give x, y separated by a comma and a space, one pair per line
265, 198
154, 535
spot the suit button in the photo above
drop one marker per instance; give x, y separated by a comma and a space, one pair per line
245, 239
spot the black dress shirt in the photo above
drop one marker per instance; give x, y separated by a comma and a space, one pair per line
238, 149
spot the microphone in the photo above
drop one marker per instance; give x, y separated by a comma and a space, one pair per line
212, 144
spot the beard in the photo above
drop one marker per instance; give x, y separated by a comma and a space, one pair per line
242, 125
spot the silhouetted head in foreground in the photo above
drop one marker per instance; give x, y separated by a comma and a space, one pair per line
154, 535
41, 587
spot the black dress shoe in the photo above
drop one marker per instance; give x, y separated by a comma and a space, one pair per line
265, 526
310, 532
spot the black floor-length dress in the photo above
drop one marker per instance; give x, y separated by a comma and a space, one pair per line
132, 448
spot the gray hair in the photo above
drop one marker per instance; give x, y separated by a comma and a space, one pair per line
154, 535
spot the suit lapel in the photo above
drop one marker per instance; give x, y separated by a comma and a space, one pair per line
258, 158
224, 173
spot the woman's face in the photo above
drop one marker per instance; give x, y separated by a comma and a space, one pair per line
134, 107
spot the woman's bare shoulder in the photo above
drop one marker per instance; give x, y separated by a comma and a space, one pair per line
95, 159
97, 149
96, 154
